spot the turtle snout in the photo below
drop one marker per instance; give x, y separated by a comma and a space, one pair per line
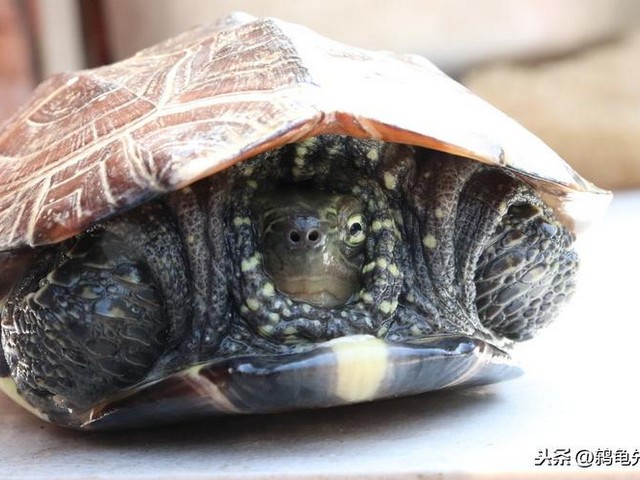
305, 234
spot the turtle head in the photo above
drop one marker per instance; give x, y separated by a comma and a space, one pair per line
313, 244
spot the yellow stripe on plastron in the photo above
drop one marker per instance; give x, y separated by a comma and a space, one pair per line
361, 367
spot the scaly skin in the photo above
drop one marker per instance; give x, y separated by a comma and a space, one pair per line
451, 246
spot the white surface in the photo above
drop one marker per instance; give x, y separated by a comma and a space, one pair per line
579, 391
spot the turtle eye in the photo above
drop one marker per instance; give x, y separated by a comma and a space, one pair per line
356, 230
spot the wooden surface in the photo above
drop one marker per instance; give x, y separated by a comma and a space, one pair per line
579, 392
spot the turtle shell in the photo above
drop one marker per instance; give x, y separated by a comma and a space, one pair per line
92, 144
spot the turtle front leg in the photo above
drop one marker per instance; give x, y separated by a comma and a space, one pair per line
489, 253
525, 273
94, 315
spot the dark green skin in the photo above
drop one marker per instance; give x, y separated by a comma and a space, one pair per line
444, 245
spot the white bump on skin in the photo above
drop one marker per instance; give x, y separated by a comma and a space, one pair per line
393, 269
373, 154
265, 330
250, 264
302, 150
367, 298
390, 181
253, 304
290, 330
268, 290
369, 267
429, 241
387, 307
378, 225
248, 170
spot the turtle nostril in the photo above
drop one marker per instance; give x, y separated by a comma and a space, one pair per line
313, 236
294, 236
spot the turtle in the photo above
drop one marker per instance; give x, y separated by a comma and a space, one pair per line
253, 218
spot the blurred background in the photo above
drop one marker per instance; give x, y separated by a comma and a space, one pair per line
568, 70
